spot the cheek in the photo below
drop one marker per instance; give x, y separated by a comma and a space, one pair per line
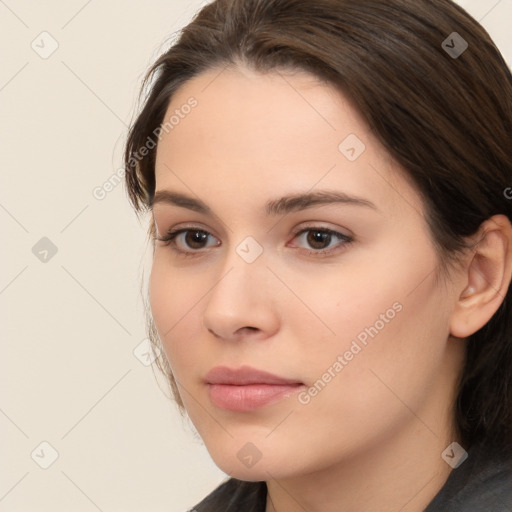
390, 330
174, 300
342, 304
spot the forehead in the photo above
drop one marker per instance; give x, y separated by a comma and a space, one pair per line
251, 136
248, 109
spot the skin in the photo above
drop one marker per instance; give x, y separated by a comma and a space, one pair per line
372, 438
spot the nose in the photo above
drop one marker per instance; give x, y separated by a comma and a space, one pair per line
242, 303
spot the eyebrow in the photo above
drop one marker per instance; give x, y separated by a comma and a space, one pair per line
285, 204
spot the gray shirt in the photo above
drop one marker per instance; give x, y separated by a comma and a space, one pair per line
482, 483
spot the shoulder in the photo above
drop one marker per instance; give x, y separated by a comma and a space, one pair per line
481, 483
234, 495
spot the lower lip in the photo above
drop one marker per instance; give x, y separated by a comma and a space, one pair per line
249, 397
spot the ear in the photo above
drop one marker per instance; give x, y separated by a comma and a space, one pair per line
486, 277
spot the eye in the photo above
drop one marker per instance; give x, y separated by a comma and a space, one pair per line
320, 239
194, 239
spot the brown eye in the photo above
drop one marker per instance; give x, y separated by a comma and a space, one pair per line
195, 239
318, 240
192, 240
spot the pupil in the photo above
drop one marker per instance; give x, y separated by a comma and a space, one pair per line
318, 237
196, 237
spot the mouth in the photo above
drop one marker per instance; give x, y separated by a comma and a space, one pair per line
246, 388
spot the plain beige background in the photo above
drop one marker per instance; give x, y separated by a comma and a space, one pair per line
72, 321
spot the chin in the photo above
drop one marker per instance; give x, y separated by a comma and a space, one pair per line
252, 465
277, 468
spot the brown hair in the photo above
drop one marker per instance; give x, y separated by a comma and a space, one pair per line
445, 119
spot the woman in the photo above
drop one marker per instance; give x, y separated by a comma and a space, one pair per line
330, 289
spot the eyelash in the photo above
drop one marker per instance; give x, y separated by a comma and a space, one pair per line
169, 240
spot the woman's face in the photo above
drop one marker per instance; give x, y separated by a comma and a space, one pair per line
353, 321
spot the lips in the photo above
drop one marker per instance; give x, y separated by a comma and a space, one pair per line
244, 376
246, 388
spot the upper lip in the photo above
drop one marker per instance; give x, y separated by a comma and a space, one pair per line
245, 375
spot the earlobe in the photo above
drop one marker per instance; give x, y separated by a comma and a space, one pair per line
486, 279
